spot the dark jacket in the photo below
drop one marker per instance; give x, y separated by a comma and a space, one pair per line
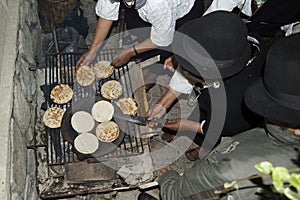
268, 19
238, 117
234, 158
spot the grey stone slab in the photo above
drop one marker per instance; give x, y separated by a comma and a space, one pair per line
21, 109
83, 172
18, 160
9, 12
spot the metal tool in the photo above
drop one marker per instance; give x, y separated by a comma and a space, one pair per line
138, 119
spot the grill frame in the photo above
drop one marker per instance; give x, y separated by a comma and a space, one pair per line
60, 68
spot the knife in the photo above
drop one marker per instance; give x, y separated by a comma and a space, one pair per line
138, 119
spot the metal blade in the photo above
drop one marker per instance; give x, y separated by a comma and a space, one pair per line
133, 119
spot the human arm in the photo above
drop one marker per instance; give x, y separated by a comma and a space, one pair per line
102, 29
123, 57
195, 180
183, 125
159, 109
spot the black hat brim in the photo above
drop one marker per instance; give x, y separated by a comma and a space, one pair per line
186, 62
261, 103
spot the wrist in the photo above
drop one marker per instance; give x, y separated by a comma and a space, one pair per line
191, 126
162, 104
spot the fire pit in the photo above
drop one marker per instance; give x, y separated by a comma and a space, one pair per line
60, 171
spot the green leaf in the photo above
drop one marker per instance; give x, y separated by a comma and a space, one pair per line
230, 197
278, 184
229, 185
291, 194
295, 180
264, 167
236, 186
260, 190
281, 173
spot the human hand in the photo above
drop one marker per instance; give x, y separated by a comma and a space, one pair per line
86, 58
183, 125
176, 124
122, 57
163, 170
171, 63
168, 64
173, 124
155, 112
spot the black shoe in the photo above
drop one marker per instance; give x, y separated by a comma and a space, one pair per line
145, 196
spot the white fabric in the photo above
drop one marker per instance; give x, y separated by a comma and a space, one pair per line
245, 7
162, 14
107, 10
180, 84
288, 29
228, 5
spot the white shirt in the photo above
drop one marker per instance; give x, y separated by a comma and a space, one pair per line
162, 14
245, 7
180, 84
229, 5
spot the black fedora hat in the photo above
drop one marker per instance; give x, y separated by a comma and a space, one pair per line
214, 42
277, 95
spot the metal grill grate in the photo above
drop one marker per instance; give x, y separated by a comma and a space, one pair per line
61, 69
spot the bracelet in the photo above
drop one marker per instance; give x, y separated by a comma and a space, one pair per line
134, 49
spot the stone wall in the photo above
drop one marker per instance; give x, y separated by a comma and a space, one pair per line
19, 39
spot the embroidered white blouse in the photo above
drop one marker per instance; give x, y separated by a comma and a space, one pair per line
162, 14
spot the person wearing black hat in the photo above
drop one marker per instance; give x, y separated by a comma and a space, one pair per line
222, 56
276, 97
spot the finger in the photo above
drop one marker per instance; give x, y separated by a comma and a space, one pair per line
158, 114
148, 114
79, 62
167, 125
117, 62
169, 167
168, 121
150, 124
168, 60
167, 66
159, 173
171, 69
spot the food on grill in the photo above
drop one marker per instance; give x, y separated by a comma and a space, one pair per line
103, 111
86, 143
53, 116
111, 89
107, 131
61, 94
103, 69
82, 122
85, 76
127, 105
